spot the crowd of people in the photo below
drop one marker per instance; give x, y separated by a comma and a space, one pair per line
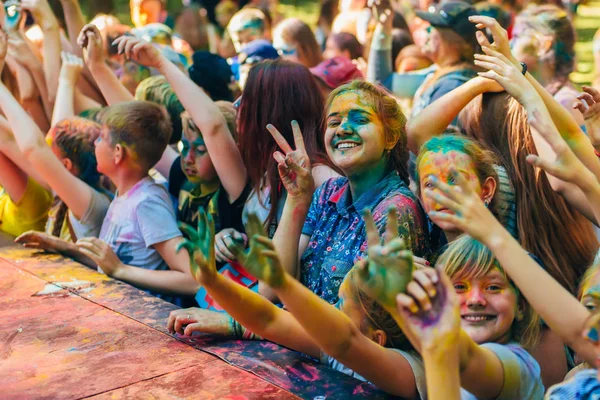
407, 193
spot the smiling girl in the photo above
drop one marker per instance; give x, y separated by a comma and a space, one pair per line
321, 235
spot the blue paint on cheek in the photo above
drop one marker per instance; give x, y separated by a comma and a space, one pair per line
592, 335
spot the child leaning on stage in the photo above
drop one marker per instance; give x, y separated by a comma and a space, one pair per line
356, 337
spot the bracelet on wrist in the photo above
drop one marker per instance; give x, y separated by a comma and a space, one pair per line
523, 67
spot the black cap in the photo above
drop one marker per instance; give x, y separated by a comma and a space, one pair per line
453, 15
212, 73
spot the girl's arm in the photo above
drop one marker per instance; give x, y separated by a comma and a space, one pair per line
331, 329
206, 115
44, 17
505, 73
75, 23
251, 310
296, 174
69, 74
12, 179
557, 307
93, 51
436, 117
83, 102
74, 192
560, 116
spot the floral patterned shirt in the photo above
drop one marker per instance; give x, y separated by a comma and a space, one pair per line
337, 231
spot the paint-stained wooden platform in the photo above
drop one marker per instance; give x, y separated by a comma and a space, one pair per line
68, 332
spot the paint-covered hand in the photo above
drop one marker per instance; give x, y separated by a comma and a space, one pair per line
11, 15
382, 14
41, 241
467, 211
102, 254
429, 311
140, 51
566, 166
589, 106
294, 165
503, 71
389, 266
200, 247
187, 321
71, 68
261, 260
42, 13
224, 242
90, 40
499, 34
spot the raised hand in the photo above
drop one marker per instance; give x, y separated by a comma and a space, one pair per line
429, 312
500, 35
389, 266
591, 113
503, 71
71, 67
294, 165
566, 166
140, 51
90, 40
12, 15
262, 260
42, 13
187, 321
382, 14
469, 213
200, 247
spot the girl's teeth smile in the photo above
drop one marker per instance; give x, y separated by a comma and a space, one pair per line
477, 318
346, 146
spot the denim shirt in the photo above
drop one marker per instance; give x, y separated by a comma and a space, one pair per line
337, 231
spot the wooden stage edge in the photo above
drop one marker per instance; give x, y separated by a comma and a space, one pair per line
71, 333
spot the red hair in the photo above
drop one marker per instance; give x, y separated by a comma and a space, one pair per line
278, 92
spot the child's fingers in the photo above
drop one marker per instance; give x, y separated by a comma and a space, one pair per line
396, 245
595, 93
424, 279
445, 217
224, 248
417, 292
481, 38
135, 50
298, 138
280, 158
463, 183
188, 246
420, 262
188, 231
443, 200
279, 139
372, 233
489, 66
545, 165
182, 320
447, 190
266, 242
129, 47
588, 98
391, 230
406, 304
254, 226
578, 105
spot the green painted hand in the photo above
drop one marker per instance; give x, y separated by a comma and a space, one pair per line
389, 266
262, 260
200, 247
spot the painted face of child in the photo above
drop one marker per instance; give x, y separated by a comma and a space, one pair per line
104, 152
591, 293
355, 135
591, 331
348, 305
286, 50
195, 160
438, 165
488, 306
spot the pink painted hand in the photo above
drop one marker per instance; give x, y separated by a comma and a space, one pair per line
389, 267
591, 113
500, 35
201, 247
468, 212
140, 51
294, 165
429, 311
262, 260
90, 40
101, 254
71, 68
187, 321
566, 166
503, 71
